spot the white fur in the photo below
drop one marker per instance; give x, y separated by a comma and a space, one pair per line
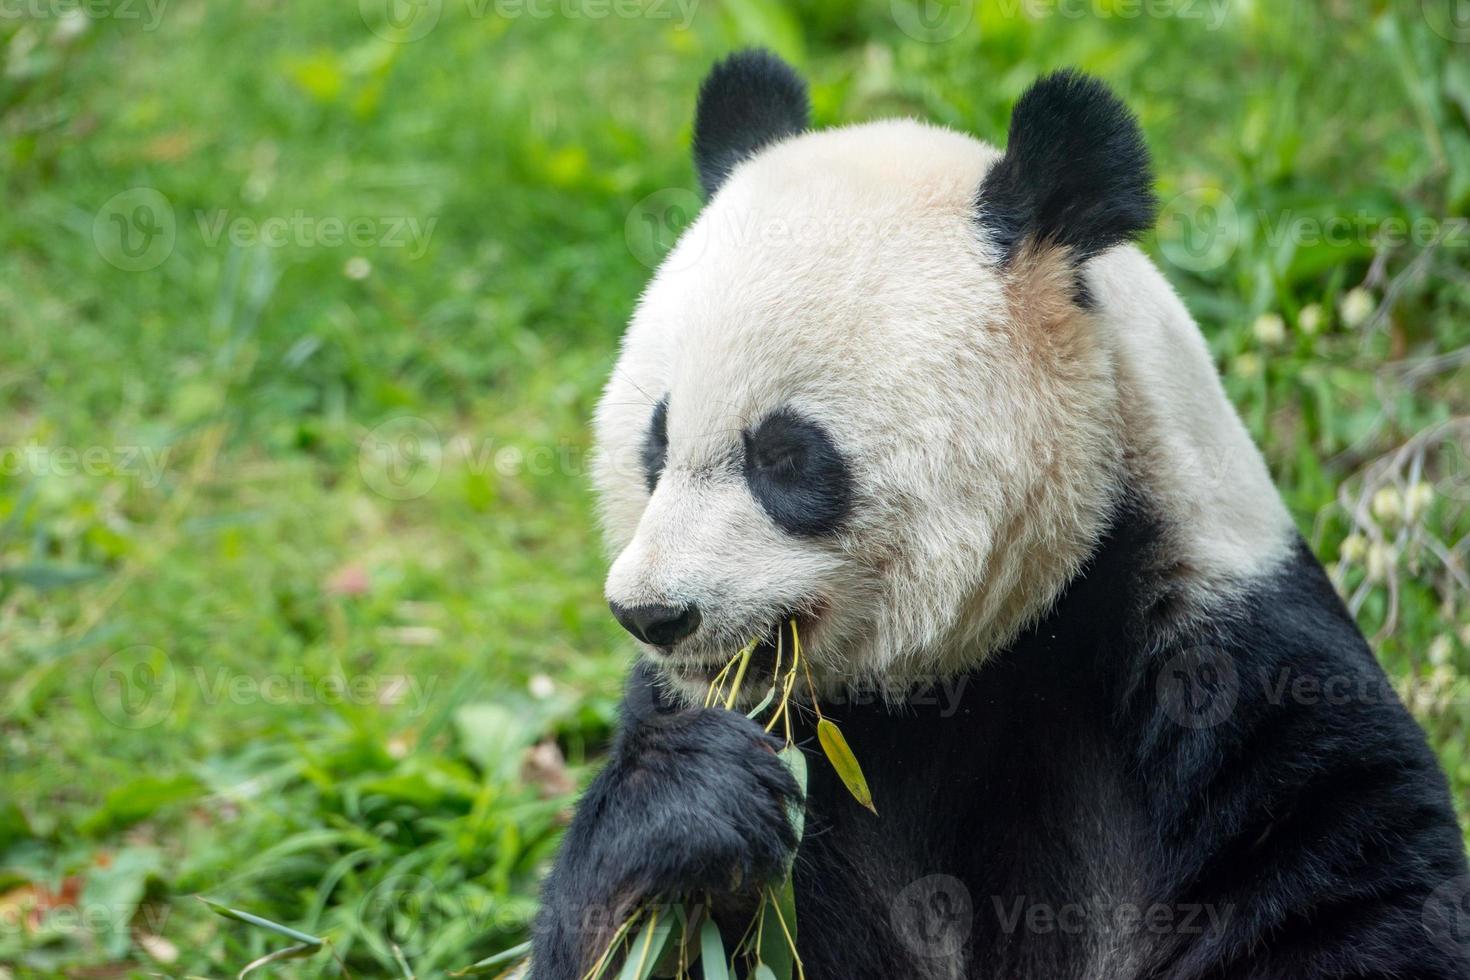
987, 420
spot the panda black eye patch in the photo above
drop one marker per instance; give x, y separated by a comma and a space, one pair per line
796, 472
656, 444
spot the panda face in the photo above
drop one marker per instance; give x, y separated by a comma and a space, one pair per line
840, 401
821, 411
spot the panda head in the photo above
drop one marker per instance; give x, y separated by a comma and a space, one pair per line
865, 389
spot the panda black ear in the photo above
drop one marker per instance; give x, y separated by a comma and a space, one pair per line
749, 100
1075, 172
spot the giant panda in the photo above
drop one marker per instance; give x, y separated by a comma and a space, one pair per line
926, 398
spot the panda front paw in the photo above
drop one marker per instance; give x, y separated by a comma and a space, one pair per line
694, 801
707, 804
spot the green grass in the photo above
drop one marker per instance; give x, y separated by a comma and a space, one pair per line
247, 655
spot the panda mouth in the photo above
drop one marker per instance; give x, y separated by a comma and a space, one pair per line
772, 650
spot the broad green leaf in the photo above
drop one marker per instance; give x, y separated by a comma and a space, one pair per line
494, 737
647, 947
712, 952
139, 799
846, 764
14, 827
119, 887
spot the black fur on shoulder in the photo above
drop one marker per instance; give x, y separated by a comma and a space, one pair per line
747, 101
1075, 172
1119, 794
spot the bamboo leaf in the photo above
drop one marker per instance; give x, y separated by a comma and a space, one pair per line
289, 953
796, 762
491, 962
763, 972
404, 968
647, 947
784, 905
255, 920
774, 951
846, 764
712, 952
678, 951
765, 703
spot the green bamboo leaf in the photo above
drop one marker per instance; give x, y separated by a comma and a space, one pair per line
712, 952
255, 920
785, 908
289, 953
846, 764
763, 972
402, 962
647, 947
678, 951
796, 762
491, 962
775, 951
765, 703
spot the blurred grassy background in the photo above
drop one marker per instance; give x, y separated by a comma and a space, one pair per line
304, 306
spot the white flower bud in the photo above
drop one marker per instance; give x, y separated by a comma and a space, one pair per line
1380, 559
1388, 504
1418, 501
1357, 306
1309, 320
1269, 329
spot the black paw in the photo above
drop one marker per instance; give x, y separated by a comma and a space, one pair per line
692, 801
707, 804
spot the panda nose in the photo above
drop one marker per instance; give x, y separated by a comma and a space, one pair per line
659, 625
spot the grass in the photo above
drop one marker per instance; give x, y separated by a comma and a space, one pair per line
299, 581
